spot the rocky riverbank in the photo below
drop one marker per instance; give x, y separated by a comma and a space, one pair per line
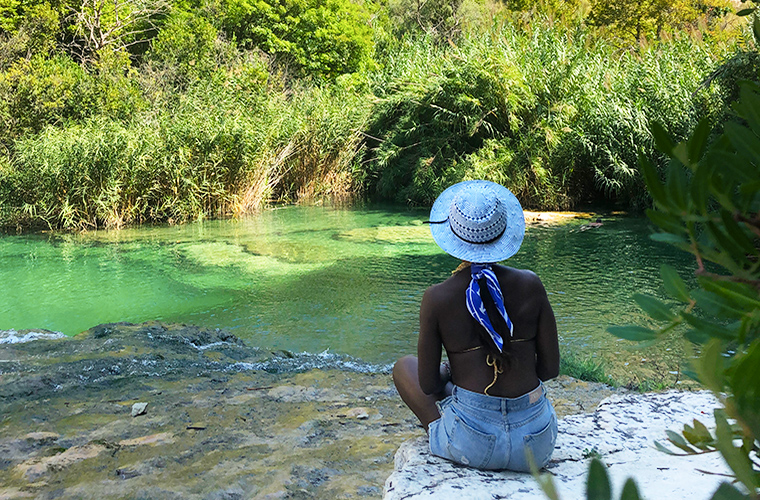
160, 411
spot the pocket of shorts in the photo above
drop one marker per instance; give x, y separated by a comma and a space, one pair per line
541, 443
468, 446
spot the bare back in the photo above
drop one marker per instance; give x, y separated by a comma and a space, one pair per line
446, 322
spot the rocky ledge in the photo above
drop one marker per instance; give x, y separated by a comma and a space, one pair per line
157, 411
621, 432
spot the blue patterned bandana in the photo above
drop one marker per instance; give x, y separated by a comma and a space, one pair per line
475, 302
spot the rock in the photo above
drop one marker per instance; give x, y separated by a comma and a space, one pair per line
621, 431
42, 438
33, 469
359, 413
154, 439
139, 409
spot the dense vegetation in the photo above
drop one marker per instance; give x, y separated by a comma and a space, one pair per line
123, 112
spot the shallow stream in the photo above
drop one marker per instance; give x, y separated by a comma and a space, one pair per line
317, 278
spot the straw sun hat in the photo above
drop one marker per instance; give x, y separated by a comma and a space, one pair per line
478, 221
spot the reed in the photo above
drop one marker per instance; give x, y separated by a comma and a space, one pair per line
553, 112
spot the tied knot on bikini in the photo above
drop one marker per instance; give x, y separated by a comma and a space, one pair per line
478, 311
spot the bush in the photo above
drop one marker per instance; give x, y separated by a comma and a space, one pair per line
185, 46
709, 205
318, 38
39, 92
554, 114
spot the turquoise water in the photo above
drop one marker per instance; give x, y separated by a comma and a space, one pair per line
347, 280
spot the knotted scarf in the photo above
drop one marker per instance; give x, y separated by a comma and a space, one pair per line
475, 301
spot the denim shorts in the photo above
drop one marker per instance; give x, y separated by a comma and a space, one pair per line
488, 432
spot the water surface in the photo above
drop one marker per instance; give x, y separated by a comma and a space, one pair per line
347, 280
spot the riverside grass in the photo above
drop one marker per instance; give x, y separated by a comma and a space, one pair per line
211, 154
550, 111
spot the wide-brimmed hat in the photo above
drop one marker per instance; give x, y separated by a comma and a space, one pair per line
478, 221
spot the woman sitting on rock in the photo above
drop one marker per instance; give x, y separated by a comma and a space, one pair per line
486, 407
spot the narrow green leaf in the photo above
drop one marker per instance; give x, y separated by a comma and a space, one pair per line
727, 492
667, 221
654, 184
700, 184
668, 238
678, 441
653, 307
676, 183
660, 447
737, 233
707, 327
698, 140
661, 138
697, 337
745, 12
630, 491
750, 105
702, 431
756, 29
681, 153
728, 163
737, 460
673, 284
710, 367
724, 243
745, 142
750, 188
631, 332
743, 296
598, 482
547, 486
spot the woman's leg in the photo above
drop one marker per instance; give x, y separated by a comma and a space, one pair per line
408, 385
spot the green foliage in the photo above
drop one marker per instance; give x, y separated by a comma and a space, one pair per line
583, 368
185, 47
43, 91
597, 485
709, 205
439, 19
218, 151
98, 26
38, 92
320, 38
34, 32
554, 114
653, 19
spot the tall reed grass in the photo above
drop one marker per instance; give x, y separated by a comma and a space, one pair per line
554, 113
214, 153
549, 110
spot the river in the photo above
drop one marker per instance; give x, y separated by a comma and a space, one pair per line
321, 278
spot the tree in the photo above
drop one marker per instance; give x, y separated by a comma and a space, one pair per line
113, 24
633, 21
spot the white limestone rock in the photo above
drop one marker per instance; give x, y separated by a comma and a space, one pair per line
622, 430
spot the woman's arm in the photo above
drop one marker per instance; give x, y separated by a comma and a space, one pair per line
547, 343
429, 346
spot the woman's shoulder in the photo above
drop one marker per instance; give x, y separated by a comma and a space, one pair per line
522, 278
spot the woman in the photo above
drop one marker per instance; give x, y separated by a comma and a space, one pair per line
486, 407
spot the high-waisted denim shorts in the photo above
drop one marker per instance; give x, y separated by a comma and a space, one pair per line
488, 432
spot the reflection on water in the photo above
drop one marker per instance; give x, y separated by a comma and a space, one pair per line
313, 278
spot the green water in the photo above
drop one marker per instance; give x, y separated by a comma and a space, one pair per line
347, 280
